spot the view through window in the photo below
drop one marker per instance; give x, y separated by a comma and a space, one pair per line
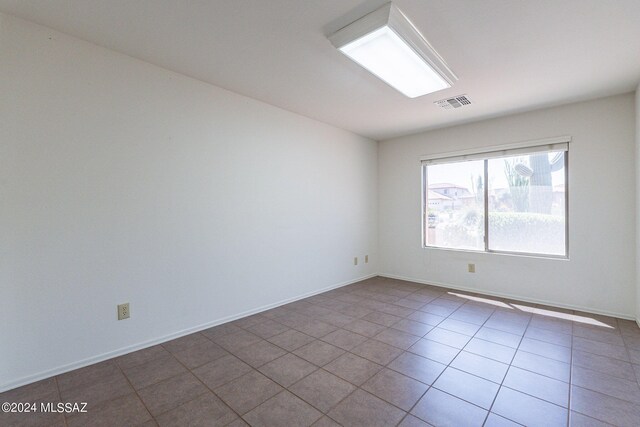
507, 201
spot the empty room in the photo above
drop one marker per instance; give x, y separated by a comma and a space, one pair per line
319, 213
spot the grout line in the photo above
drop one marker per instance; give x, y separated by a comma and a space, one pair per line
284, 388
354, 385
64, 415
570, 378
502, 296
136, 391
405, 350
359, 287
456, 356
508, 369
200, 395
430, 386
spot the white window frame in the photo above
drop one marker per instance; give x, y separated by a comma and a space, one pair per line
560, 143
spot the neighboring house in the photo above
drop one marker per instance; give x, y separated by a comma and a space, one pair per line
456, 195
439, 202
450, 190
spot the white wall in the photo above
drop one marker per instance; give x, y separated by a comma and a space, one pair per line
600, 275
121, 181
637, 158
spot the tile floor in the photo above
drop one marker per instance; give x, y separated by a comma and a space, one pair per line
380, 352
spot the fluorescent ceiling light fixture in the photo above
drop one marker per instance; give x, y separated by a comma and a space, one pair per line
386, 43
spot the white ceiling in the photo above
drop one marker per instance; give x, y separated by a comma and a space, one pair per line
510, 55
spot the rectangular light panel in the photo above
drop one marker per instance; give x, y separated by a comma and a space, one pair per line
387, 56
389, 46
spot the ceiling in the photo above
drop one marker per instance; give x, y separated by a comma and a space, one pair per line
509, 55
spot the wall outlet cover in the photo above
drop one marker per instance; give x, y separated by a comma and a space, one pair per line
123, 311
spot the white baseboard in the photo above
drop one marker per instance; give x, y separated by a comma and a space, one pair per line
122, 351
513, 296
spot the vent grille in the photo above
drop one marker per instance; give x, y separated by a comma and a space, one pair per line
455, 102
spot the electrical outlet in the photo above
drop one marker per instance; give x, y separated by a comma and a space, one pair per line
472, 268
123, 311
366, 259
355, 261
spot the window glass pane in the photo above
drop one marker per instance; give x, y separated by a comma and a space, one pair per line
527, 203
455, 205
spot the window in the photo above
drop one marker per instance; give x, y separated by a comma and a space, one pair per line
505, 200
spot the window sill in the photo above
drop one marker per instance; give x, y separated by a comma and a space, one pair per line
504, 253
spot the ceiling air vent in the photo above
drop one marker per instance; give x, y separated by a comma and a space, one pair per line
455, 102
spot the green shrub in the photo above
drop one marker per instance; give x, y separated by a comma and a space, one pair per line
466, 232
508, 231
526, 232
